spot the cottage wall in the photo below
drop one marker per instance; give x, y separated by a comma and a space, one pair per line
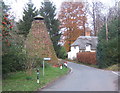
88, 48
73, 53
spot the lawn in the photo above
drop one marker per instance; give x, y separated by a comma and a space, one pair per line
18, 82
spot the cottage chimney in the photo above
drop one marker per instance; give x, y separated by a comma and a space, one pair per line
87, 33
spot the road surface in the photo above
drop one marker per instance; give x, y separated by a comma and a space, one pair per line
84, 78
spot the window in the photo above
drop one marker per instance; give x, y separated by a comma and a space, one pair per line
88, 47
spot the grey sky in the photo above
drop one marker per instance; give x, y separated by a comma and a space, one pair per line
18, 5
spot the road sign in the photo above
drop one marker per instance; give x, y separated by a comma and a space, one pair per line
47, 58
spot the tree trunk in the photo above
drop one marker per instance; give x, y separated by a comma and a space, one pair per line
94, 23
106, 29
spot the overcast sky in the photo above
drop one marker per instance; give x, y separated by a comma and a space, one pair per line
18, 5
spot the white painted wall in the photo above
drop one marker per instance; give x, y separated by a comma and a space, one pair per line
93, 51
75, 49
73, 53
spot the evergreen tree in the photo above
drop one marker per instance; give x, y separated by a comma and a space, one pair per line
25, 24
12, 57
107, 51
6, 28
48, 12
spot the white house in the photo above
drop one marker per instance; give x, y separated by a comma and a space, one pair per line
85, 43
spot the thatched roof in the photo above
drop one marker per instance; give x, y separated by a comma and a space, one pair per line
82, 41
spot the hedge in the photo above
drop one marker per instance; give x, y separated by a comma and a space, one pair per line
87, 57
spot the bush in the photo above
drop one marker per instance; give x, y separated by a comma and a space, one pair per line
14, 60
35, 62
62, 53
29, 78
39, 62
87, 57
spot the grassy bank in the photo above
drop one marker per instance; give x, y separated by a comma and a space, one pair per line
114, 68
18, 82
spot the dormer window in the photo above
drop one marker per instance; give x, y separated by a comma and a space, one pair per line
75, 47
88, 47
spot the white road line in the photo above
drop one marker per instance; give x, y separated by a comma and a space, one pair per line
71, 69
115, 73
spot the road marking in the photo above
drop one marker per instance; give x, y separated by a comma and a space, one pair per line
115, 73
71, 69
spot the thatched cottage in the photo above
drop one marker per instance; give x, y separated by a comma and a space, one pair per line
85, 43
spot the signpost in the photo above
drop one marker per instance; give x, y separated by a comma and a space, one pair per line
45, 59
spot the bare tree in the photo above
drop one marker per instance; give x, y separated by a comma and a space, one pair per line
97, 16
113, 12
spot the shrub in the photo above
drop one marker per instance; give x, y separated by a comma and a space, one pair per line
62, 52
14, 60
35, 62
28, 78
87, 57
38, 62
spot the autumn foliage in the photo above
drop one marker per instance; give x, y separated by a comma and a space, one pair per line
87, 57
73, 22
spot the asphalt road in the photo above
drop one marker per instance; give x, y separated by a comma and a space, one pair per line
84, 78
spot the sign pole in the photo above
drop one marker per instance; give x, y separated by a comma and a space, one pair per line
43, 67
45, 59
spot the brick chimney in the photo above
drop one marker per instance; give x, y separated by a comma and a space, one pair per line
87, 33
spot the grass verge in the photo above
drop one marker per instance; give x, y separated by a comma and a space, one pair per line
113, 68
18, 82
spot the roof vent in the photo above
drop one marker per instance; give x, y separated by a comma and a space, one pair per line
38, 17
